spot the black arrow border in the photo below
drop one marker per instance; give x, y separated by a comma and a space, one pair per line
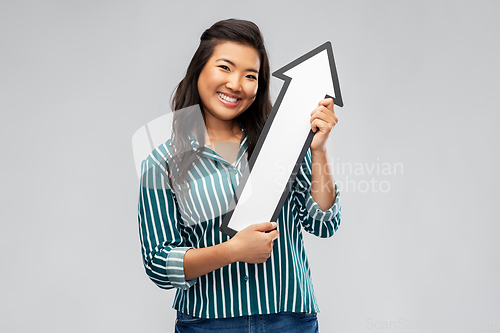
287, 80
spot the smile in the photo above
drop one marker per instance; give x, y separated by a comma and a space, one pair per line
230, 100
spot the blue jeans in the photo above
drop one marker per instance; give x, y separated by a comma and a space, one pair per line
286, 322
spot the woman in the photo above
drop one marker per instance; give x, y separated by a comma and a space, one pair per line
260, 277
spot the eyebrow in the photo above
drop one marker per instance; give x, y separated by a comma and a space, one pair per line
232, 64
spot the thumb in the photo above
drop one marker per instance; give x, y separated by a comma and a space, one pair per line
265, 226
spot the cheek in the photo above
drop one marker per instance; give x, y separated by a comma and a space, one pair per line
252, 92
201, 84
207, 80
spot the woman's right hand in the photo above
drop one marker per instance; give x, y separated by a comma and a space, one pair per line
253, 244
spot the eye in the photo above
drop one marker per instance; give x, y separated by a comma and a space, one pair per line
253, 77
224, 67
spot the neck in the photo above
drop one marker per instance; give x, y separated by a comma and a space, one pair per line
222, 130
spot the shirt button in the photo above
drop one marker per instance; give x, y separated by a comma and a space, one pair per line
246, 278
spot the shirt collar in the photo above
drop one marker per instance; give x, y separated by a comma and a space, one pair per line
209, 153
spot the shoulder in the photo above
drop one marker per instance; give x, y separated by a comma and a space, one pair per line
159, 157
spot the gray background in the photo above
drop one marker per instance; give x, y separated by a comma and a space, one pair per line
420, 83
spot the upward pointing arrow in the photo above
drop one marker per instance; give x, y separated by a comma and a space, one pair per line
284, 140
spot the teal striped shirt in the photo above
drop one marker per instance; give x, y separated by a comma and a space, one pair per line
171, 224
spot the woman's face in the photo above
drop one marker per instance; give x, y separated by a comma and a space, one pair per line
229, 80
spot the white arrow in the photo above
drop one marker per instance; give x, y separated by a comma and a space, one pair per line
284, 140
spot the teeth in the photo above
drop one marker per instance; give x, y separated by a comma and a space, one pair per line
227, 98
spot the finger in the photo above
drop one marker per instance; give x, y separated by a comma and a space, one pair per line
317, 109
321, 125
264, 226
274, 234
329, 118
332, 120
327, 102
321, 109
318, 124
326, 117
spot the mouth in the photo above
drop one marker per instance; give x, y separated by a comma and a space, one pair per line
228, 100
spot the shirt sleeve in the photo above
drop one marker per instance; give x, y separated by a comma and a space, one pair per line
163, 247
314, 220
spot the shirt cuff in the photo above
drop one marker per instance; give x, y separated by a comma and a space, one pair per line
175, 268
315, 211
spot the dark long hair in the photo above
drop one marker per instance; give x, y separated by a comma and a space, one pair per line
186, 94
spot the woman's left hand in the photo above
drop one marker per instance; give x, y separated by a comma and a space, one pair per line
322, 121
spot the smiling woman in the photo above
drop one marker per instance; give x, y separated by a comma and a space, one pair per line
260, 277
228, 86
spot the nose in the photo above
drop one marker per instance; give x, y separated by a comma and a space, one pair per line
233, 83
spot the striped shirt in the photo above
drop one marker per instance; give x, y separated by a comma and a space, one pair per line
171, 224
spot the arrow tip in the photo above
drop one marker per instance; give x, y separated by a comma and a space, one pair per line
281, 73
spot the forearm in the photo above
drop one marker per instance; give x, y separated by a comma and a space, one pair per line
252, 245
322, 184
198, 262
